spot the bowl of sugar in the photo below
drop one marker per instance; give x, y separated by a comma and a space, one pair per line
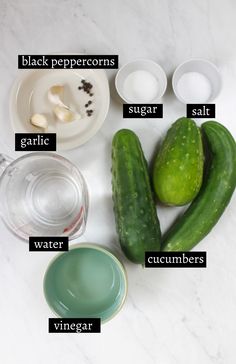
141, 81
196, 81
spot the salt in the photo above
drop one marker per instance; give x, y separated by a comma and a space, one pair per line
194, 87
140, 87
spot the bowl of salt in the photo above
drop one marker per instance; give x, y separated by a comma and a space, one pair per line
196, 81
141, 81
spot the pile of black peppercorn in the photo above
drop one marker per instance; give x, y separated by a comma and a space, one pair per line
87, 87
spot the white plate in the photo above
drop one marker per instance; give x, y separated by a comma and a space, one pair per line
29, 96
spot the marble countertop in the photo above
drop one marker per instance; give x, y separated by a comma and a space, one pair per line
183, 316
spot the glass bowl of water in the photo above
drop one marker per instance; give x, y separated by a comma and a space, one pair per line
43, 194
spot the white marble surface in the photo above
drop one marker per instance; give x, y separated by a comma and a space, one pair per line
171, 315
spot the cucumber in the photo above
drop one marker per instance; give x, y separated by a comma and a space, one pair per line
178, 166
135, 212
215, 194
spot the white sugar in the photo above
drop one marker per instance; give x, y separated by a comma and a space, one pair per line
140, 86
194, 87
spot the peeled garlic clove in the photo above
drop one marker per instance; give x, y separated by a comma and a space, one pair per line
39, 120
57, 90
65, 115
55, 95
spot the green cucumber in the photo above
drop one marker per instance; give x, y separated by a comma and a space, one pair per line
135, 212
215, 194
178, 166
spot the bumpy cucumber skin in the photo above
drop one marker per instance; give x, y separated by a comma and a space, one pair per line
135, 212
178, 167
215, 194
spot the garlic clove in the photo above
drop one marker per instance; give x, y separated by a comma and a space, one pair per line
55, 95
39, 120
65, 115
57, 90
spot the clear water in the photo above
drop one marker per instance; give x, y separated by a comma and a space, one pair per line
44, 197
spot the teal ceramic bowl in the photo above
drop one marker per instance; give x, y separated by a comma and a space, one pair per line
87, 281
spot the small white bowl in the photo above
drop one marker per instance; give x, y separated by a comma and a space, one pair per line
204, 67
141, 65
